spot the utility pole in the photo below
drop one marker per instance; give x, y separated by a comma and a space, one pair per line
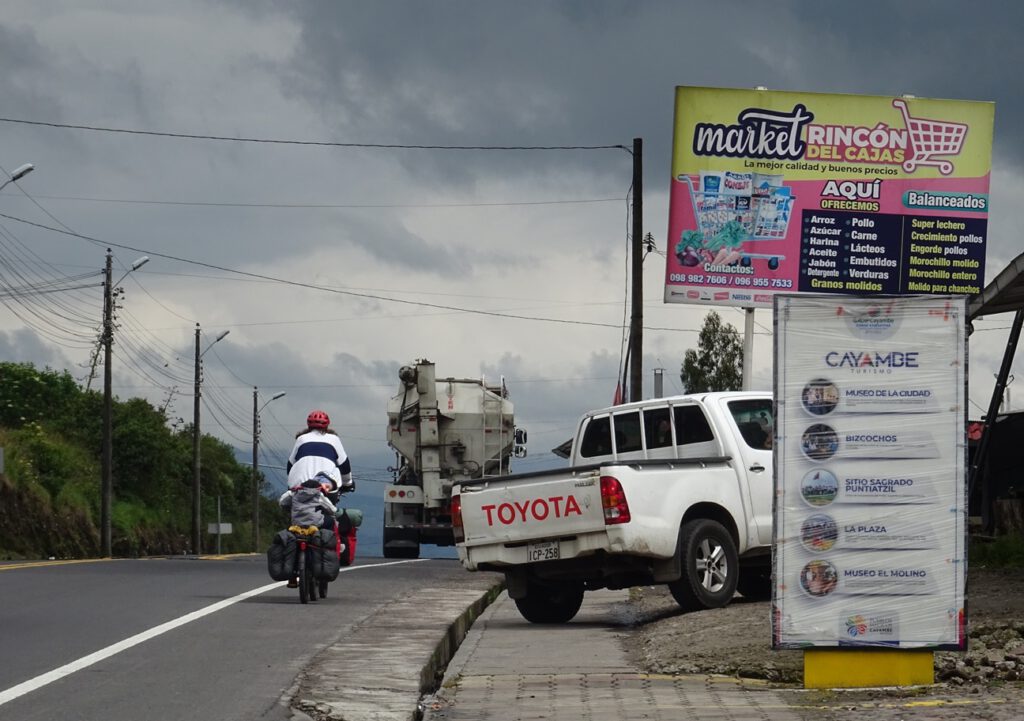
107, 454
255, 471
107, 461
636, 323
197, 540
255, 462
196, 489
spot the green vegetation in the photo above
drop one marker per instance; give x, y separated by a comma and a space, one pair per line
1000, 552
717, 363
52, 436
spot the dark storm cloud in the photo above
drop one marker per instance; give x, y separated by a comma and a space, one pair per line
26, 65
489, 74
604, 72
940, 49
387, 240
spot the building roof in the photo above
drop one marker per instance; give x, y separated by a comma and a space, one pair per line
1004, 294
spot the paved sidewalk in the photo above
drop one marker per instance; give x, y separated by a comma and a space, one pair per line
508, 669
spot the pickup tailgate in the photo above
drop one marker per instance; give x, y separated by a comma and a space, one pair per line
534, 507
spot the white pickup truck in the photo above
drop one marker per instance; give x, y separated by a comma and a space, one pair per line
672, 490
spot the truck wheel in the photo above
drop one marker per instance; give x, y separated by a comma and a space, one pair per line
550, 604
399, 543
710, 566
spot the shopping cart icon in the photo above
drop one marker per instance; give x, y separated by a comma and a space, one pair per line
930, 138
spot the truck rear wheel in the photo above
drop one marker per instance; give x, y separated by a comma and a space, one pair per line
550, 604
401, 543
710, 566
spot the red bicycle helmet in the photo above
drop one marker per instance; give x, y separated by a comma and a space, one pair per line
318, 419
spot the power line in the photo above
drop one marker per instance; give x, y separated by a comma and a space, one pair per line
332, 206
337, 291
316, 143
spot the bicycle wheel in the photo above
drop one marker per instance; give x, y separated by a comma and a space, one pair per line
303, 587
309, 581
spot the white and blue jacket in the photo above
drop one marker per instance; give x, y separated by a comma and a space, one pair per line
317, 451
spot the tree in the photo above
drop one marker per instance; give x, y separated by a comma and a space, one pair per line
717, 364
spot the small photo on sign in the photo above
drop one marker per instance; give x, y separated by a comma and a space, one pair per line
819, 487
819, 442
820, 397
819, 533
819, 578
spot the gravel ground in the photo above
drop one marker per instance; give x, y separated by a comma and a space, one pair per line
985, 683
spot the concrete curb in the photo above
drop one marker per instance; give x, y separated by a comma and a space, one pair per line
393, 658
433, 671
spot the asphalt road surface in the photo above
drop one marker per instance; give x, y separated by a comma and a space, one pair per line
176, 638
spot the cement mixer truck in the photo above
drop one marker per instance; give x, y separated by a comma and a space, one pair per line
443, 431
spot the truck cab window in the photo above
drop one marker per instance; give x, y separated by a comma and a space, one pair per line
755, 421
627, 432
597, 438
657, 428
691, 426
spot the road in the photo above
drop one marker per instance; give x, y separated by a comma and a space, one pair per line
179, 638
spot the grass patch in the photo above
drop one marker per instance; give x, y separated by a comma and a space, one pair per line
999, 552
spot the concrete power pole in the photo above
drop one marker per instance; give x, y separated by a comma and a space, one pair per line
107, 459
636, 323
255, 471
196, 487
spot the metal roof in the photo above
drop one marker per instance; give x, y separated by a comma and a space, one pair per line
1002, 295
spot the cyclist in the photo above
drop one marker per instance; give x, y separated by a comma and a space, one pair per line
318, 451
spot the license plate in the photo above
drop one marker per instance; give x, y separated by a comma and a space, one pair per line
545, 551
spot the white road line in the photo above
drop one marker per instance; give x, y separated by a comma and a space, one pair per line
69, 668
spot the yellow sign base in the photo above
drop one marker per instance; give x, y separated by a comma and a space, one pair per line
861, 668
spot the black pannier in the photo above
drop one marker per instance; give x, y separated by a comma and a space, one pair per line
324, 555
281, 556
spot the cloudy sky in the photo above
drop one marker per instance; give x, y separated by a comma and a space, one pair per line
332, 265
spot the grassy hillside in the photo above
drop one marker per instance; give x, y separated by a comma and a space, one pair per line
51, 435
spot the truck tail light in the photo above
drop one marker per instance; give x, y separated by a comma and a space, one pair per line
457, 530
613, 500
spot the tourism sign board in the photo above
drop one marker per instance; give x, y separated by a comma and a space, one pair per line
870, 541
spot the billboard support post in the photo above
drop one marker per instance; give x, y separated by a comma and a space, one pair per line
748, 347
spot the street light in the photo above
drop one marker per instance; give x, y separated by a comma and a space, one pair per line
255, 463
107, 461
18, 174
196, 488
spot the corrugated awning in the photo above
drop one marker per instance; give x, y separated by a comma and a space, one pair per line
1002, 295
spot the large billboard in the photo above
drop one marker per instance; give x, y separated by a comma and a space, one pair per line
870, 545
780, 192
